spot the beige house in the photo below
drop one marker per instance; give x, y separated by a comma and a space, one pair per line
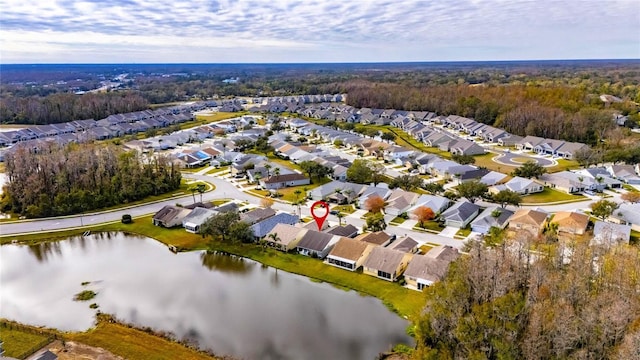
571, 222
387, 264
379, 238
424, 270
349, 254
529, 220
286, 236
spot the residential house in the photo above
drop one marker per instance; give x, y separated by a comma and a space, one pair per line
627, 214
606, 233
349, 254
387, 264
323, 191
510, 140
626, 173
316, 244
400, 201
465, 147
275, 182
460, 214
518, 185
256, 215
568, 182
198, 216
348, 230
492, 216
528, 143
568, 149
263, 227
406, 245
424, 270
601, 177
492, 178
530, 220
471, 175
571, 222
286, 237
372, 191
436, 203
170, 216
378, 238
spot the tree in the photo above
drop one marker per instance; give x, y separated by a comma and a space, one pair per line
388, 136
631, 196
423, 214
276, 171
315, 170
338, 143
374, 204
240, 231
340, 216
219, 225
201, 188
463, 159
297, 193
266, 202
472, 190
603, 208
434, 188
377, 172
507, 197
274, 238
359, 172
193, 190
268, 168
406, 182
529, 169
375, 222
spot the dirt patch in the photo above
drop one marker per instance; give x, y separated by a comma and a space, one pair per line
77, 351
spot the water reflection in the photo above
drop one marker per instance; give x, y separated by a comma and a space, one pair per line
217, 301
217, 261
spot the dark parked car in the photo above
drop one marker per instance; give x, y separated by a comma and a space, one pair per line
126, 219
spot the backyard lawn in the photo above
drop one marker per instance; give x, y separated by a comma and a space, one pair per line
19, 344
551, 195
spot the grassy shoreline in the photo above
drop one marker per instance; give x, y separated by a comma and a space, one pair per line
406, 303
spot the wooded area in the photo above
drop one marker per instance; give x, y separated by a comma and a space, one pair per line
577, 302
67, 180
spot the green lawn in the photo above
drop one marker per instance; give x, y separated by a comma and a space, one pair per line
397, 220
218, 170
345, 209
629, 188
430, 225
288, 194
635, 237
425, 249
464, 232
551, 195
217, 116
19, 344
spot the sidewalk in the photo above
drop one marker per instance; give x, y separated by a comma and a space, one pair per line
449, 231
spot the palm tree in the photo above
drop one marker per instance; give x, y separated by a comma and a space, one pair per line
276, 171
201, 188
297, 193
274, 237
340, 216
257, 177
268, 167
193, 190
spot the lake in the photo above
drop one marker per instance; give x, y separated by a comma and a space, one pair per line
230, 305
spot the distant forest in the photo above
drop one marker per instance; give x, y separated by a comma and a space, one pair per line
549, 99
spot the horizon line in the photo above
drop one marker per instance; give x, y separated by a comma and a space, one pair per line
329, 62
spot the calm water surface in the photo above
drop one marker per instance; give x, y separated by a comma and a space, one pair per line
230, 305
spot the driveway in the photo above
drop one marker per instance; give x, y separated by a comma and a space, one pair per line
449, 232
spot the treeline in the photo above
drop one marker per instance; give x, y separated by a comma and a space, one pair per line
63, 107
567, 113
68, 180
577, 302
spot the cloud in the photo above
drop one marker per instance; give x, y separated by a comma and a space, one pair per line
330, 30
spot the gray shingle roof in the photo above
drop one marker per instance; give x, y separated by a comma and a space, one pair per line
315, 240
262, 228
384, 259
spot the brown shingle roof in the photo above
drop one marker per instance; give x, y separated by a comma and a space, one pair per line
377, 238
427, 268
444, 252
571, 219
405, 245
350, 249
284, 178
384, 259
286, 233
315, 240
530, 217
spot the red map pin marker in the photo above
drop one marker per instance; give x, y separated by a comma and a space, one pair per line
320, 218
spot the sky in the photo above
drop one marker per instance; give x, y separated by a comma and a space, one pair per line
292, 31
